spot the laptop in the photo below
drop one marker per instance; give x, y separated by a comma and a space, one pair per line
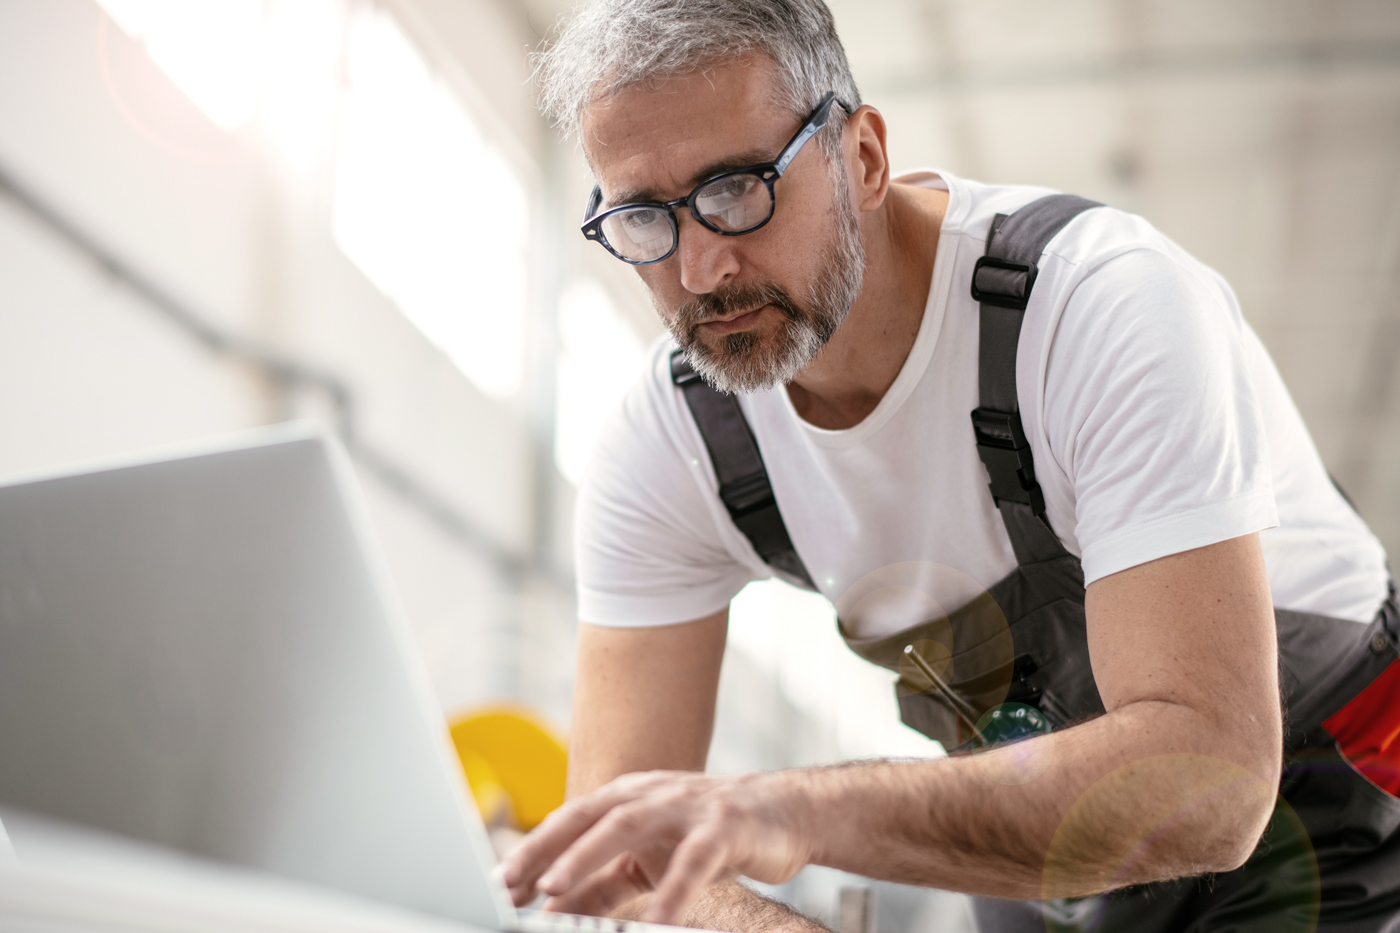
200, 650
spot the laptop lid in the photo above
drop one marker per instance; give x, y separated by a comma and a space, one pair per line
199, 649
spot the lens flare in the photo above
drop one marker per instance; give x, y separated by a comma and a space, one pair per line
1112, 838
954, 666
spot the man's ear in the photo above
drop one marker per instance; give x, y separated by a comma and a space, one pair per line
867, 157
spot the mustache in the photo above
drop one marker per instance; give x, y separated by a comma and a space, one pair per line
733, 301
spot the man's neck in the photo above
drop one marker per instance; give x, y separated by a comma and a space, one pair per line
858, 365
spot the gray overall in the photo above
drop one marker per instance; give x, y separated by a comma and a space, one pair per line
1017, 662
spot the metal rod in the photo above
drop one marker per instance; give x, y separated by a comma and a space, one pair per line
961, 708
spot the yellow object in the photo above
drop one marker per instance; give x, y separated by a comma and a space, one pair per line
492, 800
514, 763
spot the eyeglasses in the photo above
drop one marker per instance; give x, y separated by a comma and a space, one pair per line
731, 204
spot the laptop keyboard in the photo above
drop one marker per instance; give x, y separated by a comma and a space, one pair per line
542, 921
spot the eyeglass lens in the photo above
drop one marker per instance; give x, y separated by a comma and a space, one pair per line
640, 234
731, 204
734, 203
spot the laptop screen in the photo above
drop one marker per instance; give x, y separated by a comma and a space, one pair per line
200, 650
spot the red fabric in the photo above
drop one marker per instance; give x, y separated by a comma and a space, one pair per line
1368, 731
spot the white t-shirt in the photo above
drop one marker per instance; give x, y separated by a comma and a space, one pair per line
1157, 421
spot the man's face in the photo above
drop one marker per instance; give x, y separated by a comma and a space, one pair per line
750, 311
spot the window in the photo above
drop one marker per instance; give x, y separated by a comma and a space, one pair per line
211, 50
600, 356
428, 209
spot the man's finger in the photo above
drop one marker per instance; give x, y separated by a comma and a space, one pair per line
600, 894
537, 852
626, 827
698, 862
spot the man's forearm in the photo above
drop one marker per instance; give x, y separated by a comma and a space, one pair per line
730, 906
1150, 791
1105, 804
1178, 778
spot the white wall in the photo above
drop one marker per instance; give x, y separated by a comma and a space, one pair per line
87, 367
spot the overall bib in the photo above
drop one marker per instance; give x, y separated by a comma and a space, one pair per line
1015, 662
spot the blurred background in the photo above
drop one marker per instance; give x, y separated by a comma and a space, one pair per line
228, 213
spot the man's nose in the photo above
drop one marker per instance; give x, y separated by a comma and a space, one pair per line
707, 259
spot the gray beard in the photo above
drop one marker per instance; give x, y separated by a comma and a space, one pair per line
745, 362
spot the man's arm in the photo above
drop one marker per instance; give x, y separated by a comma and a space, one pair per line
1178, 777
644, 700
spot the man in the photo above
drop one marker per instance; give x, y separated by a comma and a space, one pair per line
1103, 632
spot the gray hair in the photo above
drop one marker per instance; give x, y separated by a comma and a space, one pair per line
612, 45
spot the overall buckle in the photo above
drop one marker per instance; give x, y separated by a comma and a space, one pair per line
1006, 283
1005, 452
754, 509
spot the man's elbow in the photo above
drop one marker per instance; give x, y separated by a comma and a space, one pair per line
1233, 830
1219, 797
1162, 817
1221, 819
1239, 812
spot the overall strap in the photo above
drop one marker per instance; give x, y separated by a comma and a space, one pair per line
743, 481
1001, 284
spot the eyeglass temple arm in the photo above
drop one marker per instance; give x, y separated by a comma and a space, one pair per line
595, 201
815, 122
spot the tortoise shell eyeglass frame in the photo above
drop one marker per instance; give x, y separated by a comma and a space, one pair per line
768, 173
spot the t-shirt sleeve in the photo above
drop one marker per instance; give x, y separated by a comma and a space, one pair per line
647, 548
1150, 411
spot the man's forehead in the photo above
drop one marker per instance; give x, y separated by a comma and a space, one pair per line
657, 139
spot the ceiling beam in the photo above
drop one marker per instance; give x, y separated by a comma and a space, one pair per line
1146, 65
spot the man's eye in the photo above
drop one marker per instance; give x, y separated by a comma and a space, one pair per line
735, 187
640, 218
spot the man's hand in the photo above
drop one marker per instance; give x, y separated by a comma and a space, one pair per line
644, 701
1178, 778
669, 833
